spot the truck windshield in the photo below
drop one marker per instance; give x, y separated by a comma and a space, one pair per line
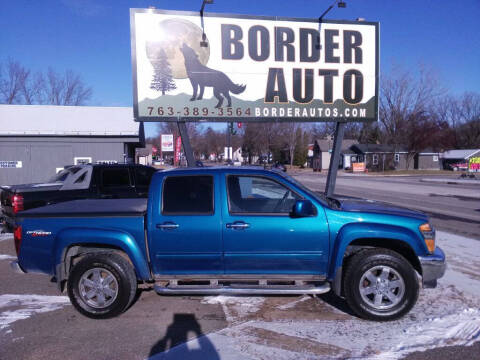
320, 197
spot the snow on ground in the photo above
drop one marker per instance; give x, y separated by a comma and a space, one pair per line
306, 327
7, 257
6, 237
20, 307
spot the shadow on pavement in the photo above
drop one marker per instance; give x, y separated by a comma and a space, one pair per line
337, 302
177, 333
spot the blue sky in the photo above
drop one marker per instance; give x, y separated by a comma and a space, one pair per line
93, 37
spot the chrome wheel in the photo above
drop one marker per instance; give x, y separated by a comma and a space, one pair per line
382, 287
98, 287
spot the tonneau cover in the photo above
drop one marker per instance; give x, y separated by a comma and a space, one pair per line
90, 207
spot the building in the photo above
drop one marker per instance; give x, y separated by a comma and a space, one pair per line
38, 140
326, 148
458, 159
427, 160
378, 157
144, 156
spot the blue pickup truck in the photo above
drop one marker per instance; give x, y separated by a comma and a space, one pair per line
231, 230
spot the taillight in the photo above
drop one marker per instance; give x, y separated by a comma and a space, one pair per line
17, 203
17, 237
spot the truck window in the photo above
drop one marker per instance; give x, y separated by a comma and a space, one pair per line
143, 176
188, 195
115, 178
254, 194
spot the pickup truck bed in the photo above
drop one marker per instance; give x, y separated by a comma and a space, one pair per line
91, 208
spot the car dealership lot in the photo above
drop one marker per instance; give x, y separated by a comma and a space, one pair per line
36, 322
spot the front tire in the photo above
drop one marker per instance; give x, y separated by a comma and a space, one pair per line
380, 285
102, 285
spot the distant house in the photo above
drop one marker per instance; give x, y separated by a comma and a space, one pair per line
377, 157
427, 160
458, 159
326, 148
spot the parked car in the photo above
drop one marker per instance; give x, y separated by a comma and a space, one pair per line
459, 166
279, 166
233, 230
105, 181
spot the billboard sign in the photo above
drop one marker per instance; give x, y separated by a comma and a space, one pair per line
167, 142
253, 68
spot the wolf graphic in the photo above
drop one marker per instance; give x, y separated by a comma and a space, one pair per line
202, 76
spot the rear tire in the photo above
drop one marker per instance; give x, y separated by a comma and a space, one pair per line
102, 285
380, 285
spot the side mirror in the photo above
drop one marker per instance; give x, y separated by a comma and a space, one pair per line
303, 208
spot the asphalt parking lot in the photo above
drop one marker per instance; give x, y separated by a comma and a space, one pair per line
36, 322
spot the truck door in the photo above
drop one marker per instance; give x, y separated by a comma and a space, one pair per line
185, 233
259, 235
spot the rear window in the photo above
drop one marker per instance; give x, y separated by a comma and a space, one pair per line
115, 178
143, 176
62, 175
188, 195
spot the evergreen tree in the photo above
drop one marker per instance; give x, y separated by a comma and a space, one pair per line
162, 78
301, 147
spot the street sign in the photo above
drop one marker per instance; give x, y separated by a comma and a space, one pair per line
252, 68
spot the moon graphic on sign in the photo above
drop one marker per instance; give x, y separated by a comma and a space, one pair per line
169, 36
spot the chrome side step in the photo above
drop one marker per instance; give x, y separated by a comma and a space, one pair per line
239, 289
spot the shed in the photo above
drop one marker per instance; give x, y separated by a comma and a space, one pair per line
38, 140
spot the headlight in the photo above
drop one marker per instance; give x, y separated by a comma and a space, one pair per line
428, 233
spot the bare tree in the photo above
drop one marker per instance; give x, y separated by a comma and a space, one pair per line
405, 107
469, 113
12, 80
66, 89
290, 136
33, 89
18, 85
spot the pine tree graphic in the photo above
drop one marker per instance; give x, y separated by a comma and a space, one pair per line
162, 78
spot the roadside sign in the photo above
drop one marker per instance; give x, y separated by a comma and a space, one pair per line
474, 164
253, 68
167, 142
358, 167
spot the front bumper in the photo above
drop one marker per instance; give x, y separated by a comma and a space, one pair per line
15, 266
433, 267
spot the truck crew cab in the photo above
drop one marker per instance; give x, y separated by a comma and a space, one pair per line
236, 231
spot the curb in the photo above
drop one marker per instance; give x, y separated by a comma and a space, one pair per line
452, 181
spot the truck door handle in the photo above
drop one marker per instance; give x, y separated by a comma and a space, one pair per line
167, 226
238, 225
